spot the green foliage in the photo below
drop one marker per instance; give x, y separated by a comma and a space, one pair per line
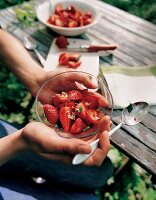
26, 14
145, 9
13, 96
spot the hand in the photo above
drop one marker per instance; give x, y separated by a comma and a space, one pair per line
64, 82
45, 142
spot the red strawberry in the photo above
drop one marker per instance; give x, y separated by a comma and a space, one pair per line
63, 59
59, 22
62, 42
78, 126
90, 99
74, 56
80, 110
74, 95
73, 64
59, 98
58, 8
72, 24
51, 113
92, 116
65, 117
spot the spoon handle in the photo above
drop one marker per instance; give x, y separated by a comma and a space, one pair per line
80, 158
41, 59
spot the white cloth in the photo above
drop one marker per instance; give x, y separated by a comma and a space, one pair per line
131, 84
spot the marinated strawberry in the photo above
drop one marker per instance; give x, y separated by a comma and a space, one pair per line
51, 113
59, 99
80, 110
92, 116
74, 95
65, 117
90, 100
78, 126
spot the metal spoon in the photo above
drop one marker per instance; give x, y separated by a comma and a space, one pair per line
31, 45
131, 115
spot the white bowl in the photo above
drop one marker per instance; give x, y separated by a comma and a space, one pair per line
43, 13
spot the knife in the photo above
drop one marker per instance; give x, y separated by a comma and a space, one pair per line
91, 48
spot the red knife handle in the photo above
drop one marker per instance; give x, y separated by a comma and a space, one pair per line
96, 48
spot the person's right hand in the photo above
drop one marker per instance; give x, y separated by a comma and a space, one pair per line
46, 142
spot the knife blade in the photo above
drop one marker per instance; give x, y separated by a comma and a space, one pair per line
91, 48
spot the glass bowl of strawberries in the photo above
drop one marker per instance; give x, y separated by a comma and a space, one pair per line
68, 17
76, 104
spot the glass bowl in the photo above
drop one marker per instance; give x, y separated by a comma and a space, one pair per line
89, 105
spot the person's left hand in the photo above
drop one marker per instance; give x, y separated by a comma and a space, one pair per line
65, 82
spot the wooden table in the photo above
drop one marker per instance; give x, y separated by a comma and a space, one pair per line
137, 46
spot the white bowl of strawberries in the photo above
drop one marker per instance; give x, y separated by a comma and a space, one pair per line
74, 112
69, 17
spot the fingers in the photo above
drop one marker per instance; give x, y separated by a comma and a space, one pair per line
84, 79
100, 154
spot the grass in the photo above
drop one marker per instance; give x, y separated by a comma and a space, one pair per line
133, 183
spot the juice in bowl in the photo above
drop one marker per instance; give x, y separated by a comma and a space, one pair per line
72, 109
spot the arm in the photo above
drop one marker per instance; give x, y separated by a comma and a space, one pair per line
29, 72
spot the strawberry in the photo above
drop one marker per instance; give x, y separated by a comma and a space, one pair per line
51, 113
72, 24
74, 56
59, 22
63, 59
73, 64
80, 110
65, 117
52, 18
90, 99
62, 42
74, 95
78, 126
58, 8
92, 116
59, 99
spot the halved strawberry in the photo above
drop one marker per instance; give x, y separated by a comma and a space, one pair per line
59, 22
51, 113
72, 24
92, 116
58, 8
59, 98
74, 95
65, 117
90, 99
74, 64
62, 42
63, 59
80, 110
78, 126
74, 56
52, 18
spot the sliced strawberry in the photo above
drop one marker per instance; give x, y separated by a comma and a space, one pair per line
74, 95
74, 56
71, 9
59, 98
73, 64
70, 104
63, 59
59, 22
72, 24
58, 8
80, 110
51, 113
91, 100
65, 117
92, 116
78, 126
52, 18
62, 42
